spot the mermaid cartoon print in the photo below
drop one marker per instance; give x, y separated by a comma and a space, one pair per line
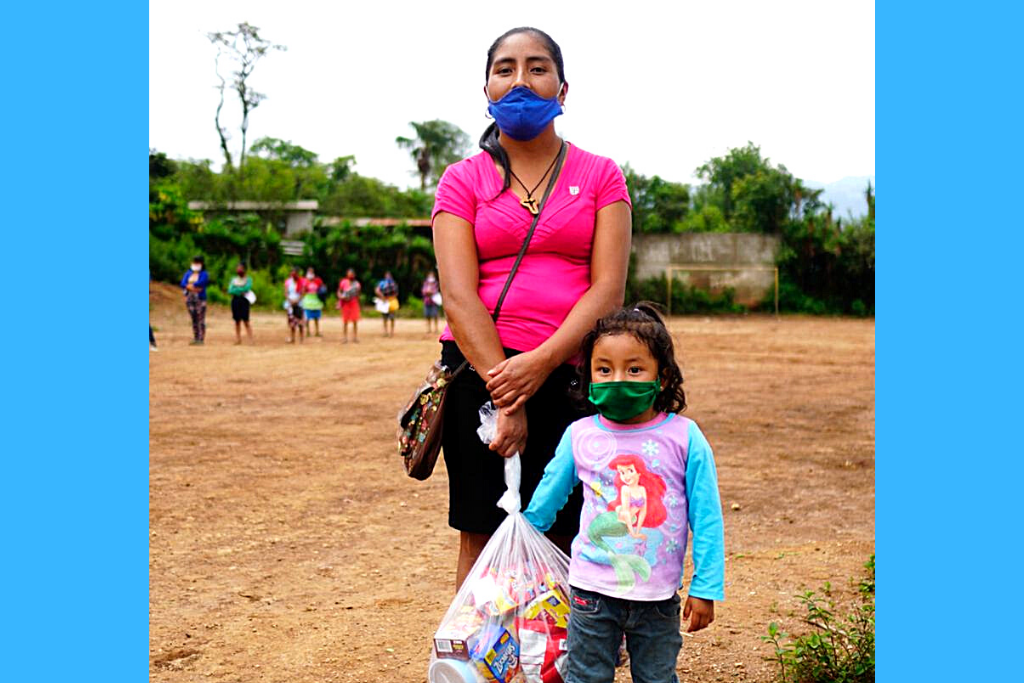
637, 505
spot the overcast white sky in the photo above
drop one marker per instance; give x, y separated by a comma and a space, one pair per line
663, 86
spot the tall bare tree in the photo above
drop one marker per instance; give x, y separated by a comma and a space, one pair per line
242, 48
436, 145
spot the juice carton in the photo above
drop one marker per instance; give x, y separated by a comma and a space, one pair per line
454, 637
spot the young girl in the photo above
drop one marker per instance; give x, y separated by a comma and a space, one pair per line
648, 475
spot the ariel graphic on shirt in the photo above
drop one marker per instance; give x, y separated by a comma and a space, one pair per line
637, 505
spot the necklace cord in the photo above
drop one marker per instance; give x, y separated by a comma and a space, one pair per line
529, 192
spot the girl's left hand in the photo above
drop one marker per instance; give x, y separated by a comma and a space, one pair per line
699, 611
516, 379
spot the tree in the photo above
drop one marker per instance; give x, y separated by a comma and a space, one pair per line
243, 48
341, 168
723, 172
658, 205
436, 145
160, 166
752, 194
283, 150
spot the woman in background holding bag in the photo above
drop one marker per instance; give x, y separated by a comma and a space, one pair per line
240, 289
573, 272
349, 290
430, 291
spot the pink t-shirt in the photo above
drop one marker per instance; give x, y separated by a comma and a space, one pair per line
555, 271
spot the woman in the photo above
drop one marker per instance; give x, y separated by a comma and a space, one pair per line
194, 282
348, 301
573, 273
312, 304
239, 287
292, 296
387, 291
430, 291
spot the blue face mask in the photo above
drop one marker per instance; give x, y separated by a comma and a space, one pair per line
522, 114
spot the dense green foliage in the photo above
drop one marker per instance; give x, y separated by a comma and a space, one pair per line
826, 264
839, 649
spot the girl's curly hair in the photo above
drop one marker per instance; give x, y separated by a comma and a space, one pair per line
643, 321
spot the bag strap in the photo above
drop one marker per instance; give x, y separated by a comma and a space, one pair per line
526, 241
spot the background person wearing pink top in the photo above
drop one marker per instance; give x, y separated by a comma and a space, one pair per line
573, 273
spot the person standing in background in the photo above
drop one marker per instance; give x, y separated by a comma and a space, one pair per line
194, 282
239, 289
387, 290
431, 292
349, 290
312, 304
152, 339
292, 296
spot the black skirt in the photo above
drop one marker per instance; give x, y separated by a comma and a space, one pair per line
240, 309
476, 474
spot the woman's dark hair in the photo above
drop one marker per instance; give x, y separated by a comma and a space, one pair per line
199, 259
643, 321
489, 140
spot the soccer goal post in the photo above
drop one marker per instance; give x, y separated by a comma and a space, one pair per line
672, 269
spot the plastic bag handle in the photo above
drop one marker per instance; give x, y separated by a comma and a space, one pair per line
510, 501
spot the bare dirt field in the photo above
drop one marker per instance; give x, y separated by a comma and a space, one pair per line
287, 544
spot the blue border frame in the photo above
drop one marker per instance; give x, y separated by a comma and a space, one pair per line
948, 372
76, 445
75, 494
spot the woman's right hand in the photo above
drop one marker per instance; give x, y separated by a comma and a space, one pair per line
510, 435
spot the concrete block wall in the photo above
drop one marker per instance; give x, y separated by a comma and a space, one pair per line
654, 253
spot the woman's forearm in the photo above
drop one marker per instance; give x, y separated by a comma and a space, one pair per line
598, 301
474, 331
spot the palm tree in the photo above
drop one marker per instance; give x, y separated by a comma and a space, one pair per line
436, 145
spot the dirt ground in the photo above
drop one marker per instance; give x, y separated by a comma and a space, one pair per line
287, 544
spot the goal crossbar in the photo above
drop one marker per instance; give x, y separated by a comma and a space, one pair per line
672, 269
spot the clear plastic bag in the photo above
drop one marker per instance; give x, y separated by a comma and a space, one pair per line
508, 622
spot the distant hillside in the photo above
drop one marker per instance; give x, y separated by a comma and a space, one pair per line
847, 194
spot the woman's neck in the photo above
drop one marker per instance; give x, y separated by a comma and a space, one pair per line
541, 148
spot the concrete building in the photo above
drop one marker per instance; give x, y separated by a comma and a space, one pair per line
290, 218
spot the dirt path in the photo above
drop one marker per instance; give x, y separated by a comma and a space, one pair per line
286, 543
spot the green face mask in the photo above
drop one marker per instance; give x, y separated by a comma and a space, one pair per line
619, 401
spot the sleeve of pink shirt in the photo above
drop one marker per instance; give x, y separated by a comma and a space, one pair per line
455, 194
612, 187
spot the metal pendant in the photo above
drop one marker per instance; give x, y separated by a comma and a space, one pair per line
530, 204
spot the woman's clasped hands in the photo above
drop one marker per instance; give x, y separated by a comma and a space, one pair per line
516, 379
511, 383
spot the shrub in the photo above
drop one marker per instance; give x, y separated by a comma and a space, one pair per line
825, 267
839, 649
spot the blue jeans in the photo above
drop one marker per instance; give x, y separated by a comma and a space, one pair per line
596, 625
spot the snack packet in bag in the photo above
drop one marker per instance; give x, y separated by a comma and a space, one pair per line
508, 620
